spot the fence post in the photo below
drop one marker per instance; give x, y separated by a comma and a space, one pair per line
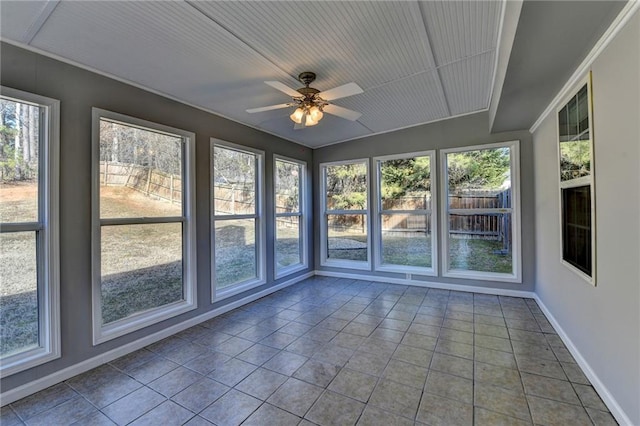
233, 200
171, 188
148, 181
106, 173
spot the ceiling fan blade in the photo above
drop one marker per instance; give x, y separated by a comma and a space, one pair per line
267, 108
284, 88
342, 112
343, 91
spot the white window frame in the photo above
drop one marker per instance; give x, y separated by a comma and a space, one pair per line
343, 263
379, 212
301, 214
103, 333
258, 216
581, 181
47, 236
516, 250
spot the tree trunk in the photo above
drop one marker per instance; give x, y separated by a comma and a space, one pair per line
18, 142
34, 135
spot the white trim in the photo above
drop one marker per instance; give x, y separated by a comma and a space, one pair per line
600, 387
258, 217
44, 382
429, 284
105, 332
516, 227
509, 23
503, 11
324, 232
303, 210
378, 212
47, 236
610, 34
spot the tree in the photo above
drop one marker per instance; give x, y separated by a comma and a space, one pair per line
485, 169
409, 176
18, 141
347, 187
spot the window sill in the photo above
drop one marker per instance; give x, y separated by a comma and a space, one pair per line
141, 320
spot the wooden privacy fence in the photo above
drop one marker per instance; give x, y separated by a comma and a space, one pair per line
494, 226
151, 182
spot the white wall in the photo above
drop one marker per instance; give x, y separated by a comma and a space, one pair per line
602, 322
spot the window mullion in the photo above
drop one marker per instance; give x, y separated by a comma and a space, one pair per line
21, 227
337, 212
408, 212
141, 220
471, 212
288, 214
235, 217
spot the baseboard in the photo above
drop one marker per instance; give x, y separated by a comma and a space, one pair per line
430, 284
602, 390
59, 376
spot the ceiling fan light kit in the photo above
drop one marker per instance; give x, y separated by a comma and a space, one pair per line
310, 103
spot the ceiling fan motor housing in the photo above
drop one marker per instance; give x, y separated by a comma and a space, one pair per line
307, 77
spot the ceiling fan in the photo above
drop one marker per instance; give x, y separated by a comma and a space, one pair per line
310, 103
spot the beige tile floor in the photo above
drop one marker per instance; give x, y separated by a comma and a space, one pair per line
339, 352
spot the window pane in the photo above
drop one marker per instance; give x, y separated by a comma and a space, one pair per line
481, 242
479, 179
235, 251
576, 227
575, 159
288, 250
347, 236
19, 294
287, 187
234, 181
19, 151
406, 240
346, 187
406, 184
140, 172
575, 137
573, 119
141, 268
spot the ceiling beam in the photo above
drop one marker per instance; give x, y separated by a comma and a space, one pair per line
43, 15
429, 52
509, 23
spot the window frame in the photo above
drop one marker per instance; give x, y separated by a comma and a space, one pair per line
378, 212
258, 216
577, 182
139, 320
47, 235
516, 247
302, 215
343, 263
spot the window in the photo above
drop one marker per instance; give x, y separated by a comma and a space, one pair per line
290, 227
577, 200
345, 232
481, 210
238, 227
29, 265
405, 219
144, 230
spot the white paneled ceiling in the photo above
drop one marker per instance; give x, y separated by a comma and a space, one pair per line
416, 61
